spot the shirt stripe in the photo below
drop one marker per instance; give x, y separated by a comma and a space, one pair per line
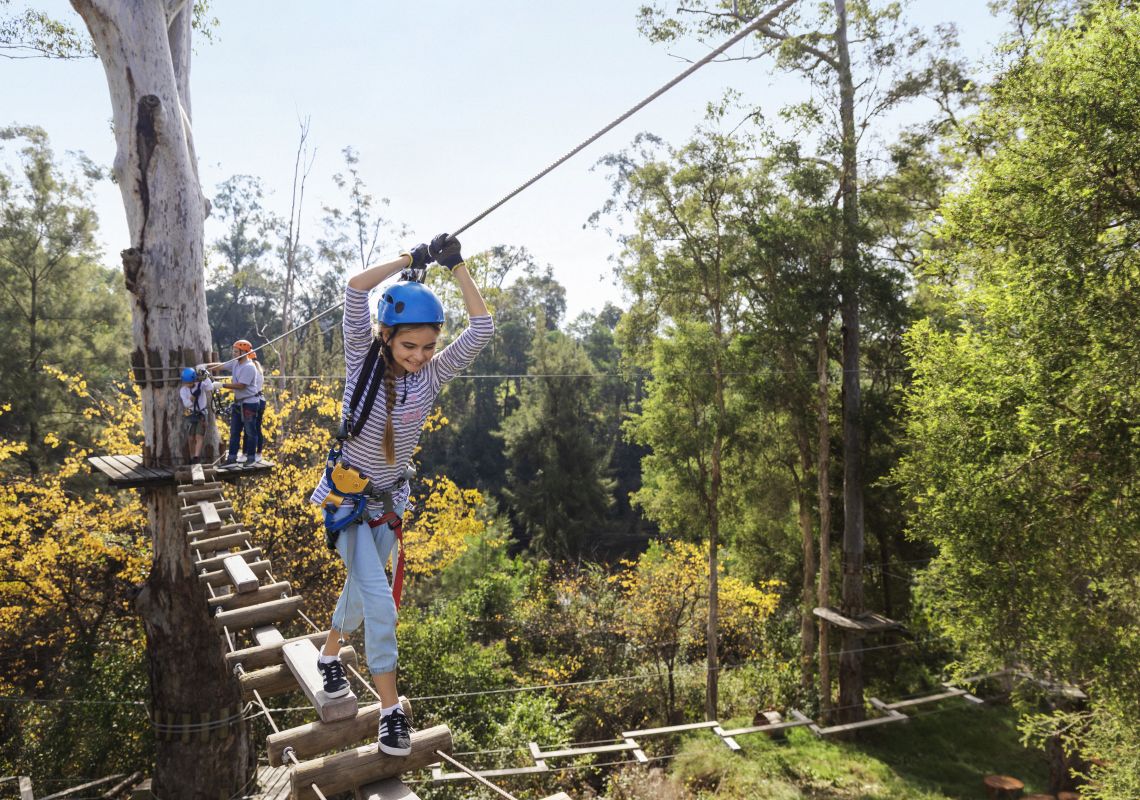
415, 395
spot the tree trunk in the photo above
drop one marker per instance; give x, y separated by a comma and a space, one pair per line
807, 539
823, 477
712, 682
146, 56
850, 657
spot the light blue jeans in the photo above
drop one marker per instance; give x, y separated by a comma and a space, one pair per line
367, 595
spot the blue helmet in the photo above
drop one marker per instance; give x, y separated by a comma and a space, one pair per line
409, 302
189, 374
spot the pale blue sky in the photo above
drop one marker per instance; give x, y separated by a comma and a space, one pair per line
450, 106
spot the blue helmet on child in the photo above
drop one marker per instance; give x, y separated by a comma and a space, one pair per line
189, 375
408, 303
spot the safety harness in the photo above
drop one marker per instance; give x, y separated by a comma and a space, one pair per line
348, 484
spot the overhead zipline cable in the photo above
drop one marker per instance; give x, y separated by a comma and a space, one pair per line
738, 37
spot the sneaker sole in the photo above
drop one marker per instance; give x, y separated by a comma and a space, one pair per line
338, 693
395, 751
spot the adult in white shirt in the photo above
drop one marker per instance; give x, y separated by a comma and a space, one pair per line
245, 383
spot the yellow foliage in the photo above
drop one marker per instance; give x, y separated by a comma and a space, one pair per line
68, 558
442, 531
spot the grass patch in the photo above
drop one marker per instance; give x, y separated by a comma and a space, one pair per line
935, 756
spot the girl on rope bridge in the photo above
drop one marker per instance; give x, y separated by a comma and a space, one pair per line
398, 355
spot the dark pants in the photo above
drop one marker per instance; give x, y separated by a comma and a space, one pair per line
244, 419
260, 434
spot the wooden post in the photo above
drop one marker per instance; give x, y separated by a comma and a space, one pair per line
313, 739
340, 772
26, 789
1002, 787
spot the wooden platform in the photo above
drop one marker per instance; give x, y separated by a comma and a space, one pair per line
128, 472
867, 622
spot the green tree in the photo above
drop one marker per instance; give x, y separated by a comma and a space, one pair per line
1022, 419
686, 206
556, 489
61, 307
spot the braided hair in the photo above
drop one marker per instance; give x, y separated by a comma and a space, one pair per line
387, 334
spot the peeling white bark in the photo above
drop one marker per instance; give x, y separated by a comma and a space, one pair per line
144, 46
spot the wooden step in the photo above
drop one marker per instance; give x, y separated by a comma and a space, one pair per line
314, 738
242, 578
228, 602
559, 796
197, 532
206, 491
278, 679
266, 655
340, 772
388, 789
271, 613
220, 577
301, 658
210, 519
197, 474
215, 562
219, 543
194, 512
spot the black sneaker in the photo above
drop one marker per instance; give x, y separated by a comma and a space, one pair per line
228, 464
336, 684
395, 734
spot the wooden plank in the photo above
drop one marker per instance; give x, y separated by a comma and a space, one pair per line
220, 543
437, 773
314, 738
220, 577
341, 772
930, 698
135, 464
278, 679
570, 752
771, 727
271, 636
26, 792
122, 786
891, 716
242, 577
142, 791
197, 474
83, 787
210, 519
215, 562
200, 533
301, 658
261, 594
111, 468
559, 796
692, 726
193, 514
271, 613
204, 491
868, 622
389, 789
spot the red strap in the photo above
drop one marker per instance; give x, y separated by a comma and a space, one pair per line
393, 520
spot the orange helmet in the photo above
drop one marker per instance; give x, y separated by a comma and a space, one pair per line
243, 346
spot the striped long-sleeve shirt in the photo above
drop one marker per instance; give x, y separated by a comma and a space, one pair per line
415, 394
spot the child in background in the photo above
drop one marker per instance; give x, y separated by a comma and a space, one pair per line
195, 394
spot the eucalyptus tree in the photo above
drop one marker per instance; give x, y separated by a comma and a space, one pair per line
861, 62
145, 49
687, 207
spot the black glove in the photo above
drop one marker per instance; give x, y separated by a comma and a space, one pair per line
420, 255
445, 250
